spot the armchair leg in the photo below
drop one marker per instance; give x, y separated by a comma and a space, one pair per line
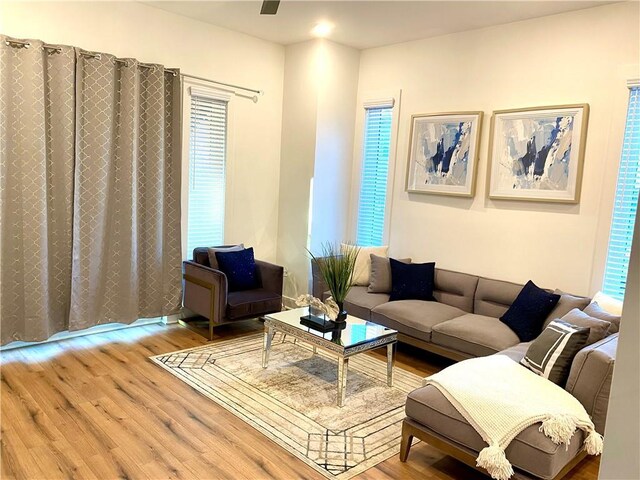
210, 329
405, 443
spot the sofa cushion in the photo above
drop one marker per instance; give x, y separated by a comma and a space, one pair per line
598, 329
380, 278
359, 302
530, 451
411, 281
455, 289
415, 318
494, 297
476, 335
527, 313
565, 305
362, 268
596, 311
252, 303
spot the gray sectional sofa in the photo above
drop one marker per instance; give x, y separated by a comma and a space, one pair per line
462, 323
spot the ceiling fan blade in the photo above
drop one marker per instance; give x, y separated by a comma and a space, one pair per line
269, 7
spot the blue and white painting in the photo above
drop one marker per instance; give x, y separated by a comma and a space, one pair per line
443, 154
536, 154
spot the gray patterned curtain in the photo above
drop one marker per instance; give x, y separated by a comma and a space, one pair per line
127, 184
37, 122
91, 231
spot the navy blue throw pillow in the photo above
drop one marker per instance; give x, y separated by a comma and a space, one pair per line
528, 312
240, 269
412, 281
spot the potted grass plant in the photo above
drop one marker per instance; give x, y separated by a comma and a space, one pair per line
336, 265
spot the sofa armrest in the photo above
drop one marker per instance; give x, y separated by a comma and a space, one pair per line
590, 378
271, 276
205, 291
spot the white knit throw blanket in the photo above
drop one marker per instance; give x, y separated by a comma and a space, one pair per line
500, 398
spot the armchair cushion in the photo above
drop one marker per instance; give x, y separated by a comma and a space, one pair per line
240, 269
211, 252
252, 303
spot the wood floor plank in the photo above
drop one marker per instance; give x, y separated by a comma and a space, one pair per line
95, 407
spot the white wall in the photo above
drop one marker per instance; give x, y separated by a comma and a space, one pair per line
338, 86
299, 120
620, 459
578, 57
321, 79
130, 29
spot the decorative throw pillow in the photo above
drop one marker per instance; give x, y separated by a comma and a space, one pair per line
412, 281
596, 311
608, 303
213, 261
565, 305
598, 329
380, 278
363, 263
240, 269
529, 311
551, 354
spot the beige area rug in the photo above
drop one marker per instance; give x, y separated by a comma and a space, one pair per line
293, 401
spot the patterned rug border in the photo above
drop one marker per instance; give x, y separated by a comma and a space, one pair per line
352, 472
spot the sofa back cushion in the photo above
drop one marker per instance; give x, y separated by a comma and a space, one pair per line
494, 297
455, 289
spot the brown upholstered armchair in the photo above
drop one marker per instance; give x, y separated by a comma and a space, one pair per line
206, 292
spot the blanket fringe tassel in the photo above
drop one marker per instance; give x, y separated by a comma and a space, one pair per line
559, 429
494, 461
593, 443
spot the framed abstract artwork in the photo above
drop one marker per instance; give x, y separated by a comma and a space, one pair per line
443, 153
536, 154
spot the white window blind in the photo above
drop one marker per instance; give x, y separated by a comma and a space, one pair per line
375, 173
626, 203
207, 158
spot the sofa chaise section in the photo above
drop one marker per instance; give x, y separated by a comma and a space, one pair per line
432, 418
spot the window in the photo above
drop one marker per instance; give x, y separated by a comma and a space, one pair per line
625, 204
207, 159
375, 173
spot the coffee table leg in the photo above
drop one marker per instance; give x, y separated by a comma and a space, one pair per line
266, 345
390, 363
343, 366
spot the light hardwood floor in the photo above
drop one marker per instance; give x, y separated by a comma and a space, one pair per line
95, 407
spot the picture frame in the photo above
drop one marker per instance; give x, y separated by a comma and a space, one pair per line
443, 153
537, 154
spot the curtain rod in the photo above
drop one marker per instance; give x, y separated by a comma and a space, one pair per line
57, 49
258, 92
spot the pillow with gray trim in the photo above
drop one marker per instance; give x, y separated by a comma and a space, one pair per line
551, 354
598, 329
213, 260
380, 277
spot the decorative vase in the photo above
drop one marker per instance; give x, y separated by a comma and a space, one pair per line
342, 313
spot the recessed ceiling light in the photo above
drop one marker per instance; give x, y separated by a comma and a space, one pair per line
322, 29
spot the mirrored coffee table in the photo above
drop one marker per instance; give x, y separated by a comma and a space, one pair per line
356, 336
